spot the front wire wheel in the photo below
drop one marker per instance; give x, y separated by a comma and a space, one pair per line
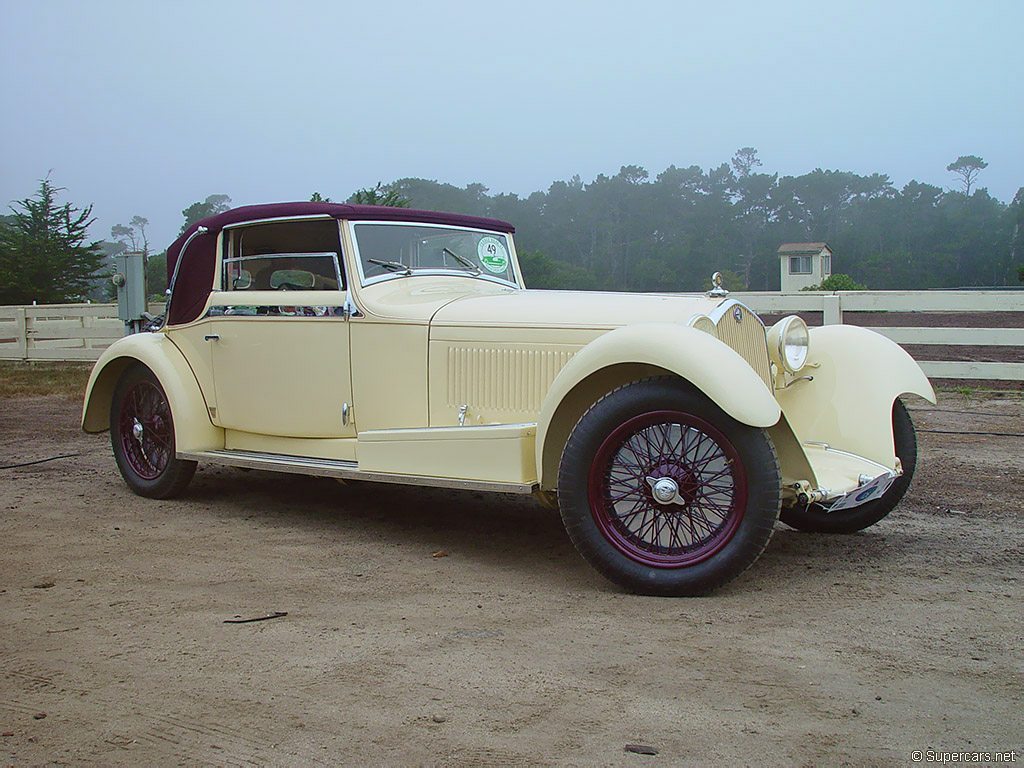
142, 437
665, 494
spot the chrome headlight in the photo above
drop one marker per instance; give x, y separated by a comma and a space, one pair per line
788, 342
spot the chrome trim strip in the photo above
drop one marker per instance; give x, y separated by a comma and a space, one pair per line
177, 265
287, 255
718, 312
830, 449
351, 309
250, 222
345, 470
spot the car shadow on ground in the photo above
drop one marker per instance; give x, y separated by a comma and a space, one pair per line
484, 524
504, 529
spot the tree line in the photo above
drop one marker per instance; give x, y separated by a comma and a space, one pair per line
668, 233
624, 232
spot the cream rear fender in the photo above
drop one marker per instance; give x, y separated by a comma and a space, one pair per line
193, 430
635, 352
857, 376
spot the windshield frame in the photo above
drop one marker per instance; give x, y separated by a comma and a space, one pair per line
435, 271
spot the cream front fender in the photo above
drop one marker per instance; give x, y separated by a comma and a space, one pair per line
638, 351
857, 375
193, 430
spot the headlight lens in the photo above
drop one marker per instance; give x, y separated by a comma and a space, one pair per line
789, 341
795, 342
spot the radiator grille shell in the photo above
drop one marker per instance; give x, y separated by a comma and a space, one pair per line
744, 332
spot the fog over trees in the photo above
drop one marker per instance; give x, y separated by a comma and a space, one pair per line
668, 233
628, 232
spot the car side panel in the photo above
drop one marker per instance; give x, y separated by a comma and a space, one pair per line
193, 430
389, 374
191, 340
283, 376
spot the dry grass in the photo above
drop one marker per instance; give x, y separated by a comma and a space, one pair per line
33, 379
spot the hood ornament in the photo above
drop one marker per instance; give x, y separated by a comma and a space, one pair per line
717, 291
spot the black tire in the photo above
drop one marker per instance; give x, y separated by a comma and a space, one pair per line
621, 514
814, 517
142, 436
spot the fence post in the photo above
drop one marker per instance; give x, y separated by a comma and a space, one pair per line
21, 332
87, 323
832, 310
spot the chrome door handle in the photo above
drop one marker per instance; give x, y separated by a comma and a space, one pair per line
211, 337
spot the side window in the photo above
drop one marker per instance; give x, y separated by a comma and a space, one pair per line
799, 265
284, 256
283, 272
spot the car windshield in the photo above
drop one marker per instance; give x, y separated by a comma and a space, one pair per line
398, 249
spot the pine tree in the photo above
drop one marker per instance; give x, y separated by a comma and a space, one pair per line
43, 253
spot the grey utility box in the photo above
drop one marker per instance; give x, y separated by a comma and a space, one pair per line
130, 278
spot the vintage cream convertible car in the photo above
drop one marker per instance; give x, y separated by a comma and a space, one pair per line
393, 345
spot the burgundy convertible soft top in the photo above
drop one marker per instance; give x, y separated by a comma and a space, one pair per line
196, 275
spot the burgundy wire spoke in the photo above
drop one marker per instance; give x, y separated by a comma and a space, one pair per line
159, 440
144, 405
674, 528
698, 458
662, 431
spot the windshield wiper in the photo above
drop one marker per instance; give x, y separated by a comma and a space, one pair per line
394, 266
463, 261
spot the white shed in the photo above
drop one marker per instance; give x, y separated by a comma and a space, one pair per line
803, 264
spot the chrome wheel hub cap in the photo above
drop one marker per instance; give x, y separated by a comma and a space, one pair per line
665, 490
137, 430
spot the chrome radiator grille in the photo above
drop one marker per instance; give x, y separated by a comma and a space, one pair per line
742, 330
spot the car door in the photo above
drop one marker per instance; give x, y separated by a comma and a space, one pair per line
280, 333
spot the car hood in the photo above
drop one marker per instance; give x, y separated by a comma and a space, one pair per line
570, 309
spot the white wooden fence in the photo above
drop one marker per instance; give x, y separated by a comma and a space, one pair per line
82, 331
974, 303
59, 331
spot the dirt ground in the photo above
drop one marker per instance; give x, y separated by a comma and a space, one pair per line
842, 650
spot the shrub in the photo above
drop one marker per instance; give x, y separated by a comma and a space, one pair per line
839, 282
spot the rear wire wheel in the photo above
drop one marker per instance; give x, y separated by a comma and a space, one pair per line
142, 437
664, 493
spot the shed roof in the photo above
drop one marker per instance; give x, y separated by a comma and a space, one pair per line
803, 248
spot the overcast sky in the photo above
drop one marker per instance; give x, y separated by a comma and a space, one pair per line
144, 107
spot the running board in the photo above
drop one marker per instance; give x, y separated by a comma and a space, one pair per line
343, 470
